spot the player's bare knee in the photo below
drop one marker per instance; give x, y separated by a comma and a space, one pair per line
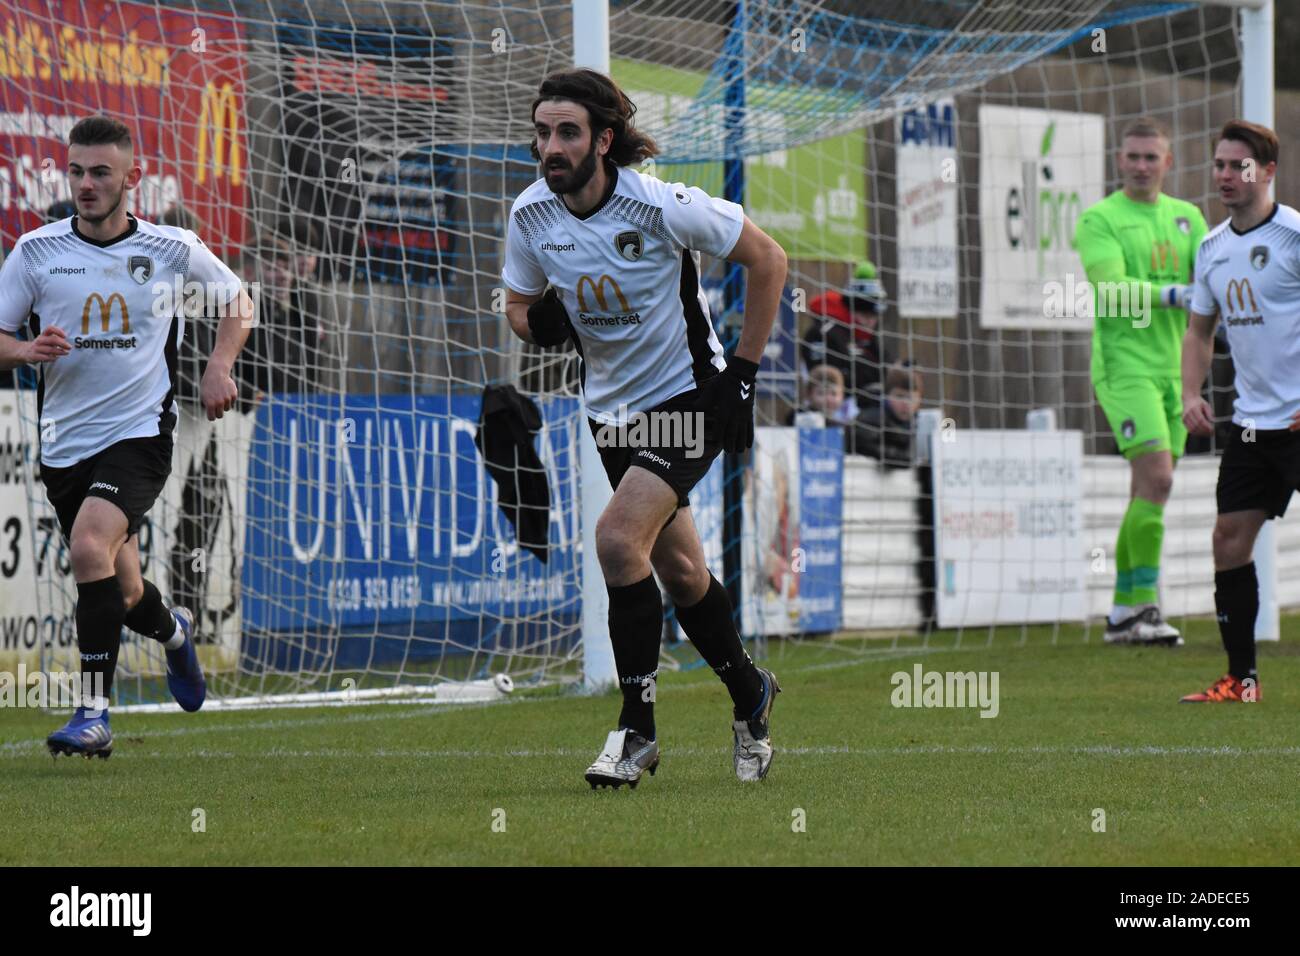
88, 552
1159, 487
616, 547
1232, 546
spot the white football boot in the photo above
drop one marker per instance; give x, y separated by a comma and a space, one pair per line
753, 751
626, 756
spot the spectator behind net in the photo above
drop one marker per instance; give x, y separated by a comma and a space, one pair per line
285, 351
883, 429
824, 394
846, 332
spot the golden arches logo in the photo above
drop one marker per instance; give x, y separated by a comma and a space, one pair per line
1161, 253
1241, 288
598, 291
105, 312
218, 119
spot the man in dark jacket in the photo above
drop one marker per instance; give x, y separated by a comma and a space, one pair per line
285, 351
845, 332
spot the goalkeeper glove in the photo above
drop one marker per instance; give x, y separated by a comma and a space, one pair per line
729, 396
548, 322
1176, 297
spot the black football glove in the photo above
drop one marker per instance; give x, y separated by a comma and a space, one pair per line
548, 322
729, 397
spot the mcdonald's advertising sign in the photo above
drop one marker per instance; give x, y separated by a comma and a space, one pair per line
176, 78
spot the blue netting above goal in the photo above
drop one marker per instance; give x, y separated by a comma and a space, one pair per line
790, 73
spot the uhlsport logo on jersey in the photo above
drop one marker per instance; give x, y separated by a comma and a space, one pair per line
604, 292
105, 309
1242, 307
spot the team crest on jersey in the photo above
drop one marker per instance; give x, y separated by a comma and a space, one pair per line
1128, 429
1184, 225
629, 245
1259, 257
140, 267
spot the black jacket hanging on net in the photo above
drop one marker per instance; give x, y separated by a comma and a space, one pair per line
506, 428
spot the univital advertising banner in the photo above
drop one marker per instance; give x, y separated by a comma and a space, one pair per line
376, 516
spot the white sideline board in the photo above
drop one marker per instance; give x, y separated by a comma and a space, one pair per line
1009, 527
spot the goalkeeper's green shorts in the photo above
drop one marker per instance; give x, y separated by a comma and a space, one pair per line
1146, 414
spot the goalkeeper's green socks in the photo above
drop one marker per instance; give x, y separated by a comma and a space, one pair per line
1137, 554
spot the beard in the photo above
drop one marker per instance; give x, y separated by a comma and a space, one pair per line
572, 180
113, 202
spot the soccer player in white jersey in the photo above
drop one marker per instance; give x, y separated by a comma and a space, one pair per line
97, 293
1248, 275
620, 252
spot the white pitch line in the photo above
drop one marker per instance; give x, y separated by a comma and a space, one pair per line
427, 710
921, 750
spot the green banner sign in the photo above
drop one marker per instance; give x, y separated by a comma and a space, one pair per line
811, 199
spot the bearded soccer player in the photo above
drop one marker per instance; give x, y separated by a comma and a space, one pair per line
620, 252
1138, 247
1248, 274
96, 292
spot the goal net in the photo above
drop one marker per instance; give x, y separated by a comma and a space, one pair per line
339, 533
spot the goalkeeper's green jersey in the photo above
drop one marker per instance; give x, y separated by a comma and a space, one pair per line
1152, 244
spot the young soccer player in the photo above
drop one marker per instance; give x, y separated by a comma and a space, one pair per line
105, 335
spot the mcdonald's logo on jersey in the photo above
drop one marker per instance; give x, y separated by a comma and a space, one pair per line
219, 120
105, 312
597, 287
1242, 307
1161, 253
105, 307
599, 297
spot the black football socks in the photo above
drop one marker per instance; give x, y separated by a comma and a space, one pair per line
1236, 598
151, 617
100, 614
711, 627
636, 621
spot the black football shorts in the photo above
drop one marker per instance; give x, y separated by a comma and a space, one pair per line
673, 441
130, 473
1261, 474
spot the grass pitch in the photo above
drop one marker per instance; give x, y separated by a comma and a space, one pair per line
1081, 728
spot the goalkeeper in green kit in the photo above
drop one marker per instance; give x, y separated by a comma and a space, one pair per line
1138, 247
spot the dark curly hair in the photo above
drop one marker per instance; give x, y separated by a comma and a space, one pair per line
608, 107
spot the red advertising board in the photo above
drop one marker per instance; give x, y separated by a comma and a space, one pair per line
176, 78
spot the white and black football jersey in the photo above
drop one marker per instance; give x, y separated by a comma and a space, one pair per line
1252, 280
119, 380
628, 273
